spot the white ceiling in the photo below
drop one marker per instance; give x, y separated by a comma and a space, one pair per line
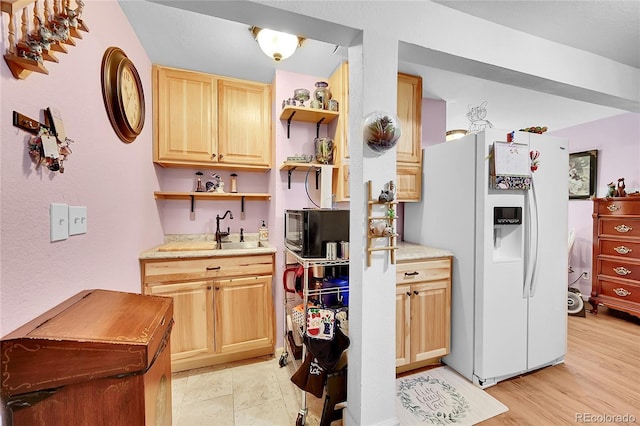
607, 28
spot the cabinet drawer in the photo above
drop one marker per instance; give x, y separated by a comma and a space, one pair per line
423, 271
619, 227
624, 249
618, 207
213, 267
628, 292
619, 269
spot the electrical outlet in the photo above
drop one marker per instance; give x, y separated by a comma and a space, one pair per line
585, 275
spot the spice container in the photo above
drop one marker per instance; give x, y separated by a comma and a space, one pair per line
234, 182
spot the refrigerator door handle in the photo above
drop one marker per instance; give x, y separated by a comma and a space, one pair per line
534, 240
531, 248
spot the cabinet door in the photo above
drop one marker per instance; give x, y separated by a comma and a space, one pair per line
339, 86
185, 115
430, 318
409, 182
243, 314
192, 332
409, 111
341, 182
403, 325
244, 123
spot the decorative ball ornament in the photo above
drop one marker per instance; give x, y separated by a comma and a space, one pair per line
381, 131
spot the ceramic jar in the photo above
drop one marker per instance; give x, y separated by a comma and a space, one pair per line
322, 93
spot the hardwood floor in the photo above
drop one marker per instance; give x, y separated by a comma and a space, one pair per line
600, 377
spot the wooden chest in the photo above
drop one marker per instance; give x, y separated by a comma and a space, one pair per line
99, 358
616, 254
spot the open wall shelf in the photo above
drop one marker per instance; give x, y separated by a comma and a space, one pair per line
307, 115
211, 196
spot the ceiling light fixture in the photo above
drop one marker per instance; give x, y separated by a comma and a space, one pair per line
455, 134
275, 44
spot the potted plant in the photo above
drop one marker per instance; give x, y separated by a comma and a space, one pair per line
381, 131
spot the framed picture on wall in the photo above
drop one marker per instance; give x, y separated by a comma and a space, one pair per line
583, 167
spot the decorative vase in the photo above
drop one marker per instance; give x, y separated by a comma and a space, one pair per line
381, 131
324, 150
322, 93
301, 95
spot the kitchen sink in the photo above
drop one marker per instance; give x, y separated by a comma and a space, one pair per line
231, 245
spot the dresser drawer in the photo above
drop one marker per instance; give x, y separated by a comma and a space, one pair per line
163, 271
619, 269
618, 207
427, 270
619, 227
627, 292
624, 249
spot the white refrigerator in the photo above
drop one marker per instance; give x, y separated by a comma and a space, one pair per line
509, 309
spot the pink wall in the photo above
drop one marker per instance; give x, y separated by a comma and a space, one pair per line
113, 179
617, 140
175, 214
434, 120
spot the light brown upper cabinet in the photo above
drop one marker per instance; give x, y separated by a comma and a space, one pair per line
209, 121
409, 150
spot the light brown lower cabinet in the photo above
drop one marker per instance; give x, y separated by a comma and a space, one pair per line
423, 312
220, 315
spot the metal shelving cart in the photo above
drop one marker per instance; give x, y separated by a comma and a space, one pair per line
292, 298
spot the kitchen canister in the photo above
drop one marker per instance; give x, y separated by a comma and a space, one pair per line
332, 251
344, 250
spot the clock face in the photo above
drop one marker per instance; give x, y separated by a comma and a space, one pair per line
122, 94
130, 97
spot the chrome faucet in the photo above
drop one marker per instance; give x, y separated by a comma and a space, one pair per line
220, 235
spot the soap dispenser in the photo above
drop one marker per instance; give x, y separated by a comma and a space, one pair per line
263, 233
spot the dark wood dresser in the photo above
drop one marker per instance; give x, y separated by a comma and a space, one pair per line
616, 254
99, 358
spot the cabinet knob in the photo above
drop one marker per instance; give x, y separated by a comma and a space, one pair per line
208, 287
623, 292
415, 292
621, 270
613, 207
217, 287
213, 156
213, 268
622, 250
221, 156
408, 293
623, 228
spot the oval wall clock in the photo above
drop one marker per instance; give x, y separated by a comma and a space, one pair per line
122, 94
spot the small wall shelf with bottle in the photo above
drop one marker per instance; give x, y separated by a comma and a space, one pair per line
211, 196
382, 222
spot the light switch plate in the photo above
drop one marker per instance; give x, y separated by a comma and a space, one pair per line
77, 220
59, 221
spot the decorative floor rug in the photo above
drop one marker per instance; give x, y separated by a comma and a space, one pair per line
441, 396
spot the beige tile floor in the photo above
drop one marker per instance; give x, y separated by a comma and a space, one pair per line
254, 392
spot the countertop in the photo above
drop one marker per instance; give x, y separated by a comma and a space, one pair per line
406, 251
154, 253
411, 251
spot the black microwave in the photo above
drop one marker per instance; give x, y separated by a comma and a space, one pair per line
307, 232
